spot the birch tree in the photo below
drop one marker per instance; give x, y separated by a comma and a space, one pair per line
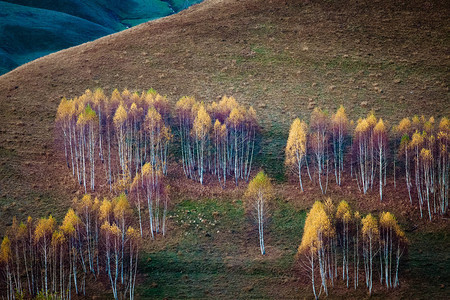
259, 194
339, 124
296, 148
319, 138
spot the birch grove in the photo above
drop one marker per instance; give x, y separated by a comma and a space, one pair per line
381, 245
96, 240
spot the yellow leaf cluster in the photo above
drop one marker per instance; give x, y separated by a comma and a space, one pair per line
317, 224
116, 98
202, 123
380, 128
44, 227
260, 185
340, 119
404, 127
71, 220
296, 143
343, 211
370, 227
65, 109
57, 238
120, 116
426, 155
105, 209
5, 250
184, 105
121, 207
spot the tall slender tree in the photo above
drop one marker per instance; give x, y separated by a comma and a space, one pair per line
259, 194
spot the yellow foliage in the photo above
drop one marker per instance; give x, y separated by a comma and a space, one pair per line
296, 143
133, 234
153, 119
217, 126
380, 128
86, 201
317, 224
105, 209
425, 155
115, 230
126, 94
362, 126
417, 139
57, 238
44, 227
340, 118
370, 227
444, 125
371, 119
96, 204
99, 96
236, 117
5, 250
120, 116
105, 226
227, 104
404, 127
202, 123
260, 185
185, 104
122, 206
387, 220
71, 220
65, 109
116, 98
343, 211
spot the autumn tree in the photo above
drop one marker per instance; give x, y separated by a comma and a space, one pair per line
404, 128
344, 216
339, 124
393, 244
201, 128
259, 194
381, 146
296, 148
43, 234
313, 248
370, 235
319, 138
443, 164
5, 260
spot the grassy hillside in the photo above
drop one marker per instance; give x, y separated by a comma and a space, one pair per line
284, 58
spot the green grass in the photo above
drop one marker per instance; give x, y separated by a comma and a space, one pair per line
217, 253
428, 262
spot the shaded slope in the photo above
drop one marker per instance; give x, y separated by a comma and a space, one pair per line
30, 29
28, 33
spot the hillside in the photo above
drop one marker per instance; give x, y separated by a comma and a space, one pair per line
282, 57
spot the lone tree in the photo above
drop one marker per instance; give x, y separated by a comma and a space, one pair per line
258, 194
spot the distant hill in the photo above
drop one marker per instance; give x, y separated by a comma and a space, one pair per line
33, 28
